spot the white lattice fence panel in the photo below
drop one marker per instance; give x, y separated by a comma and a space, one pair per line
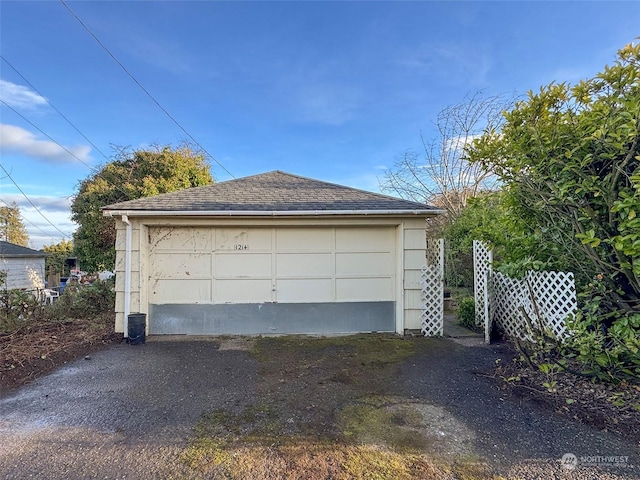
482, 259
507, 295
432, 286
554, 299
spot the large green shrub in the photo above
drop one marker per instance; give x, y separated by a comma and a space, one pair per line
16, 306
569, 160
86, 300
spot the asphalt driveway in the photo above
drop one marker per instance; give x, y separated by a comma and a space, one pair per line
126, 412
129, 411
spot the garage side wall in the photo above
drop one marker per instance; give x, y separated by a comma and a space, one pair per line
135, 305
415, 244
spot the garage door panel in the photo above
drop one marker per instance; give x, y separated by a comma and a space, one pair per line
243, 265
304, 239
363, 289
305, 290
180, 291
304, 264
364, 263
181, 265
242, 291
365, 239
181, 238
241, 239
289, 267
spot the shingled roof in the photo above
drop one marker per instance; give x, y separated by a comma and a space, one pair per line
271, 192
12, 250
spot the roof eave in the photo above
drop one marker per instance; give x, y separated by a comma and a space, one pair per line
267, 213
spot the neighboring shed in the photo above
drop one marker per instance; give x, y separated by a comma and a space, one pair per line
270, 253
24, 267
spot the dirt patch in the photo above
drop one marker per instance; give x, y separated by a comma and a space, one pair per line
243, 344
41, 346
604, 406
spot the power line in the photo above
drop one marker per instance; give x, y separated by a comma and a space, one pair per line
104, 47
47, 135
54, 107
32, 204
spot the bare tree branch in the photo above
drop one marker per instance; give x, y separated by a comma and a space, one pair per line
440, 174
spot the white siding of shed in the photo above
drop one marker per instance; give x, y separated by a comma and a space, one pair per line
23, 272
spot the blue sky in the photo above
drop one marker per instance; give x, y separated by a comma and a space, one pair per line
330, 90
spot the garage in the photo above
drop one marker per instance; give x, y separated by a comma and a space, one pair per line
311, 258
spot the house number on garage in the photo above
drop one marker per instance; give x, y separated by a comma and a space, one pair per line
239, 246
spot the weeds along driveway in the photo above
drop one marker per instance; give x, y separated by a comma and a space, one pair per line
369, 406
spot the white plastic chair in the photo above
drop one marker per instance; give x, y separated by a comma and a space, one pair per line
48, 296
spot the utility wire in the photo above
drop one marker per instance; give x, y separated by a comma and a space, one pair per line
32, 204
29, 221
104, 47
54, 107
47, 135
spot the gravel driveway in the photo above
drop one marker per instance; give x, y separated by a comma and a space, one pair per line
128, 412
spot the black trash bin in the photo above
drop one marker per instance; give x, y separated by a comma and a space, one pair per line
137, 325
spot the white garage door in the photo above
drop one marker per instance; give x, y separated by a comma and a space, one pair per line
193, 269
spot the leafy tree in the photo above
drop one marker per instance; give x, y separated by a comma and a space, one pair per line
440, 174
57, 254
131, 175
570, 158
12, 228
489, 217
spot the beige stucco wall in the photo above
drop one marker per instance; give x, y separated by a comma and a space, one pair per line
408, 257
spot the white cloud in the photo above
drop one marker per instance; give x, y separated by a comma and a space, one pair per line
45, 203
458, 143
24, 142
19, 96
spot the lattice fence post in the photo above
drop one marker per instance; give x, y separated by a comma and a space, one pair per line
432, 286
487, 304
482, 260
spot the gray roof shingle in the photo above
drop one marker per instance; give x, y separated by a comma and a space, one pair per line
273, 191
12, 250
